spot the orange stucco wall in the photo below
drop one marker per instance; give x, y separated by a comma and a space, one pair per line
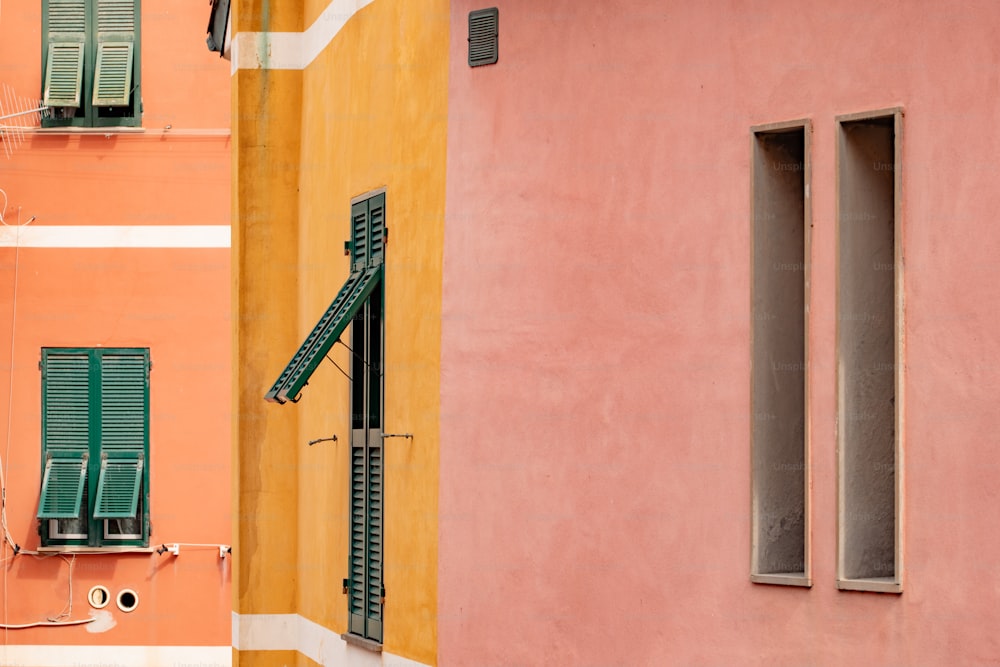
595, 468
173, 300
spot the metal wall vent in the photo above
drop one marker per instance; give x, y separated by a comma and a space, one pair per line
484, 30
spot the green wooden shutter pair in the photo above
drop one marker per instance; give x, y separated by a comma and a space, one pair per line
67, 37
367, 253
94, 420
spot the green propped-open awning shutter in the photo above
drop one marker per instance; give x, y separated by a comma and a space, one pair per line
115, 52
66, 36
317, 344
118, 488
62, 487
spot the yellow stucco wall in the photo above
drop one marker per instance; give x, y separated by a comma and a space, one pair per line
369, 112
264, 251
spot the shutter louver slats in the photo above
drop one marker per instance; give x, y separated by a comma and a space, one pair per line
124, 381
67, 16
115, 52
483, 37
118, 488
376, 217
113, 76
65, 433
66, 35
359, 236
358, 560
64, 74
323, 336
115, 16
66, 404
373, 626
123, 403
62, 488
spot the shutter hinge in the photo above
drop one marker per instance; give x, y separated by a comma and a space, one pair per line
347, 585
382, 598
347, 248
39, 364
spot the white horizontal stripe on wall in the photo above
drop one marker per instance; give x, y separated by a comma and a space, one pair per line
293, 50
115, 236
120, 656
292, 632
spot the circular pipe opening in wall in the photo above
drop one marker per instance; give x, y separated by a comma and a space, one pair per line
99, 597
128, 600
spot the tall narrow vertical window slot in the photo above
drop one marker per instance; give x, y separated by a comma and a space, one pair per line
869, 351
779, 306
366, 591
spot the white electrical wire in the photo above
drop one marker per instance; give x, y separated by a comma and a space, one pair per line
7, 539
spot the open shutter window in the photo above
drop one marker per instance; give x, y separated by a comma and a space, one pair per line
65, 34
317, 344
118, 488
115, 52
62, 487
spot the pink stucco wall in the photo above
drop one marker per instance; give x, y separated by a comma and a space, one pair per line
595, 464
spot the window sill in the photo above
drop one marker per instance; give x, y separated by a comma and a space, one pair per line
783, 579
89, 130
79, 550
873, 585
361, 642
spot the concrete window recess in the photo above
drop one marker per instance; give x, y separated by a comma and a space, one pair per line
869, 351
779, 359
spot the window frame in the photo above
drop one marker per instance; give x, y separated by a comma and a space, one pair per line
89, 115
892, 119
769, 463
97, 528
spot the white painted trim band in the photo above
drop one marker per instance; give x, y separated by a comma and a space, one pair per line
24, 655
293, 50
115, 236
292, 632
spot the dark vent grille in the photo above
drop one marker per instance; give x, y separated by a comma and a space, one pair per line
483, 36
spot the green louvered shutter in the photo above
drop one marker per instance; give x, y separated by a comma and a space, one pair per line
358, 566
62, 487
307, 358
374, 590
365, 562
65, 433
124, 433
376, 225
65, 32
118, 488
115, 52
360, 244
